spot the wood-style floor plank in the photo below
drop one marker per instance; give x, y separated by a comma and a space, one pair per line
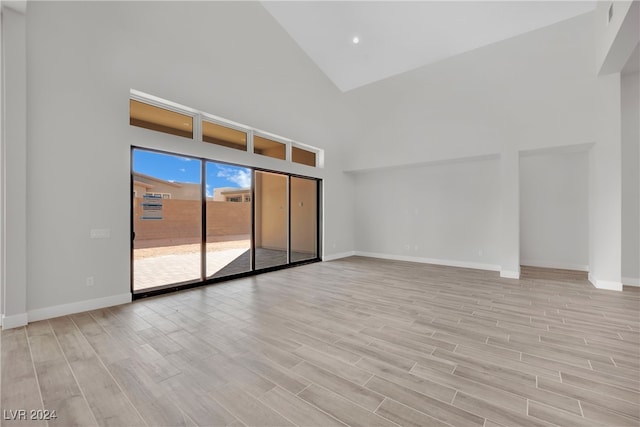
356, 342
247, 409
364, 397
297, 410
420, 402
340, 408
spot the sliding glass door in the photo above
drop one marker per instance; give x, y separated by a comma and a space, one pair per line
229, 219
196, 221
304, 218
167, 212
271, 219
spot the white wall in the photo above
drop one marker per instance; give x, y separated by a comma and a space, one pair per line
229, 59
534, 91
445, 213
630, 95
538, 90
554, 209
615, 43
14, 167
510, 212
2, 180
605, 179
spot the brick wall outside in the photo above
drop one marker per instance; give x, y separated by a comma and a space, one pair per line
180, 223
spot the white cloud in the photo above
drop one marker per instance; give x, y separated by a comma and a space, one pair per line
182, 170
209, 190
239, 176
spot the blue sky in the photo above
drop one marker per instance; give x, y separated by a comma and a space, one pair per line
183, 169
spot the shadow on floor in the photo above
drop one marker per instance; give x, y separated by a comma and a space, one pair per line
265, 258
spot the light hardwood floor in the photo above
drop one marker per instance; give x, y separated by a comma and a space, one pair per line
359, 341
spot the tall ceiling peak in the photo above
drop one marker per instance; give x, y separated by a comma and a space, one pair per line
359, 42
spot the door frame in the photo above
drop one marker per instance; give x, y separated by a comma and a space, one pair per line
203, 279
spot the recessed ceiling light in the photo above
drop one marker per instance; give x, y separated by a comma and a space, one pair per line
355, 40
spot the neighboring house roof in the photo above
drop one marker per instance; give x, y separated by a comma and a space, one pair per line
152, 178
231, 190
142, 184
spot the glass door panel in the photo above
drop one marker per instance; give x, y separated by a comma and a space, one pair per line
167, 219
271, 220
304, 219
228, 220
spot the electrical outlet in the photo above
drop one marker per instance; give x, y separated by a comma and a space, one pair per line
90, 281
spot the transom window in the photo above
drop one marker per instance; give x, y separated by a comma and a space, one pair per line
156, 114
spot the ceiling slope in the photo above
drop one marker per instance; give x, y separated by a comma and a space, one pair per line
398, 36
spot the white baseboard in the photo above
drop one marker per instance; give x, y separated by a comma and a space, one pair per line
508, 274
605, 284
77, 307
14, 321
333, 257
630, 281
448, 263
559, 265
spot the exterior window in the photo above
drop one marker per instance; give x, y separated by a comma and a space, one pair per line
224, 136
160, 119
159, 195
222, 219
164, 116
304, 157
269, 148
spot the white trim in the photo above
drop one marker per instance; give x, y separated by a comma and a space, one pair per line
155, 101
630, 281
508, 274
605, 284
340, 255
197, 127
250, 141
15, 321
559, 265
78, 307
446, 262
288, 152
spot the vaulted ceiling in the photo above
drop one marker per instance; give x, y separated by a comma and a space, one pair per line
397, 36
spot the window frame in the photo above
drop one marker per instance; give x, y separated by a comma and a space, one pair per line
205, 117
199, 117
204, 280
168, 106
274, 138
